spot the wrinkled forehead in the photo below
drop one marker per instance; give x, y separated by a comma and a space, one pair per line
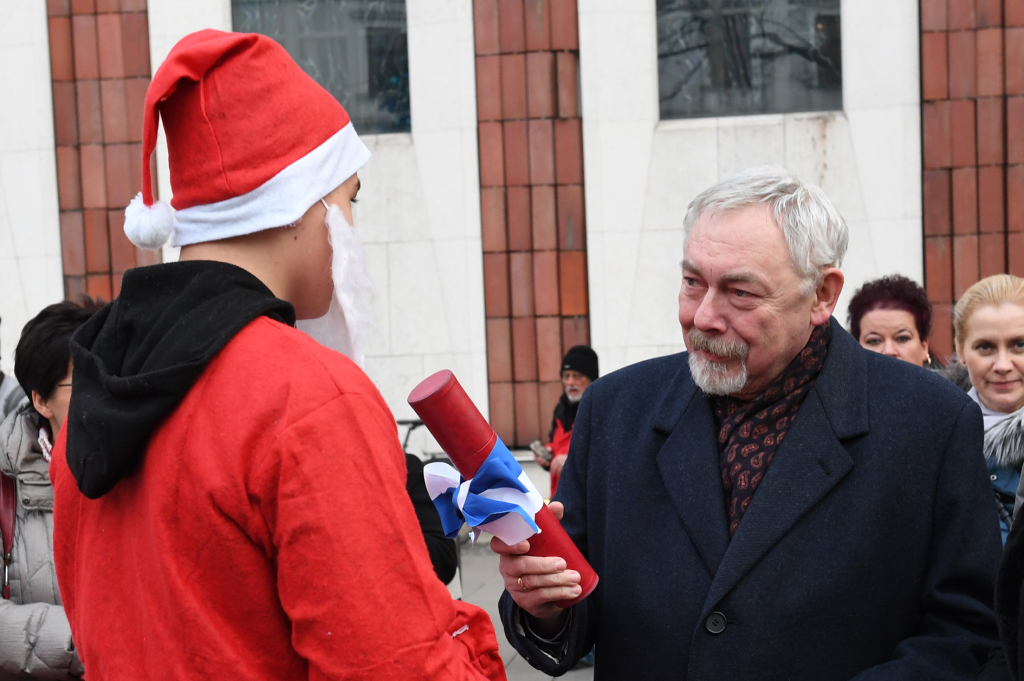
755, 221
724, 209
738, 244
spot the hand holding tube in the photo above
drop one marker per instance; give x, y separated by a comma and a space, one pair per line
538, 584
468, 439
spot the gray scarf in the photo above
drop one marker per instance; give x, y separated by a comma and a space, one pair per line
1004, 441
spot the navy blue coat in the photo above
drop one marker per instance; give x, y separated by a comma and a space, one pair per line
869, 551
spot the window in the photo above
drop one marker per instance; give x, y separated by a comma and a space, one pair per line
356, 49
741, 57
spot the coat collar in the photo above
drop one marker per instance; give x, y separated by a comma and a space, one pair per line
842, 385
808, 465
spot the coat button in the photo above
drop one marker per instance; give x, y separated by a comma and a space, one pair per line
715, 623
993, 478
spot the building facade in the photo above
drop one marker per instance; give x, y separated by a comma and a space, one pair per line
533, 159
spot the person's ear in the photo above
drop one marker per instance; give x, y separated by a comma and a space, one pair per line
40, 405
826, 297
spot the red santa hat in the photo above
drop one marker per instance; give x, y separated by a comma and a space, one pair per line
252, 141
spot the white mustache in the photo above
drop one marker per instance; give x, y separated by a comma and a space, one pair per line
717, 346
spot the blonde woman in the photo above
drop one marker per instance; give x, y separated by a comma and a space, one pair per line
989, 325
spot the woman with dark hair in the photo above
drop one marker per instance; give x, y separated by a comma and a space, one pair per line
892, 316
35, 638
42, 360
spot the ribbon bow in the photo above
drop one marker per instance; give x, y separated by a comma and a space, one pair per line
499, 499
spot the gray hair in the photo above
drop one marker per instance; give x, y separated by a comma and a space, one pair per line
815, 232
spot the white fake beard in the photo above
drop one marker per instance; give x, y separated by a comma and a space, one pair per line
342, 328
714, 378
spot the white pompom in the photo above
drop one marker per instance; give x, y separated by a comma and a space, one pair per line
148, 226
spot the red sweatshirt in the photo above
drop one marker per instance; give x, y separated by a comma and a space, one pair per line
267, 534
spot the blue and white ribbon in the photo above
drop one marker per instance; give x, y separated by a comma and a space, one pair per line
499, 499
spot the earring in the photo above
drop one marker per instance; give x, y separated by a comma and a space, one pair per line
927, 357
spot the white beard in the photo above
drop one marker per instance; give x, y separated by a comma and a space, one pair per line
714, 377
343, 327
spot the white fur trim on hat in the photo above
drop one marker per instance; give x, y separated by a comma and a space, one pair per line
148, 226
279, 201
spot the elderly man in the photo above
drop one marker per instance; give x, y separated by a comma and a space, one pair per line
778, 503
579, 370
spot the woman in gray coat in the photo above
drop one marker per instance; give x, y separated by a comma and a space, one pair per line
35, 638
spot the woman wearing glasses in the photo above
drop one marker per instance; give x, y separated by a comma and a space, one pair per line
35, 639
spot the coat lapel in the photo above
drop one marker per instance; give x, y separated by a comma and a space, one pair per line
688, 463
807, 466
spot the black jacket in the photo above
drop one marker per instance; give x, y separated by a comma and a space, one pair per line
565, 414
443, 554
869, 551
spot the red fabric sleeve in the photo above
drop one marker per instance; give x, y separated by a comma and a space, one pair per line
473, 630
354, 575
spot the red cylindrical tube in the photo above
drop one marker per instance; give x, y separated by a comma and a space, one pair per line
454, 421
467, 438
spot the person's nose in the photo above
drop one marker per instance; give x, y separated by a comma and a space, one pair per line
890, 349
1003, 364
707, 317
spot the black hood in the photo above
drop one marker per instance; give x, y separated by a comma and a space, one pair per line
136, 359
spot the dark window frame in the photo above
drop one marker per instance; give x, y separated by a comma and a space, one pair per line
344, 46
748, 57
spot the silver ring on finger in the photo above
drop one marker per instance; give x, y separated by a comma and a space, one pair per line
522, 587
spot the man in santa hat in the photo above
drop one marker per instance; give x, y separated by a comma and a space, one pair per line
230, 494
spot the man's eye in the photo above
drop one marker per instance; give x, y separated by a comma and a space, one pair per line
690, 281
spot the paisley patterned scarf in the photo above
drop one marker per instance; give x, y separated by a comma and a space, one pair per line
750, 432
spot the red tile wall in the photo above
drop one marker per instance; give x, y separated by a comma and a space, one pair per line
532, 206
972, 82
99, 63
